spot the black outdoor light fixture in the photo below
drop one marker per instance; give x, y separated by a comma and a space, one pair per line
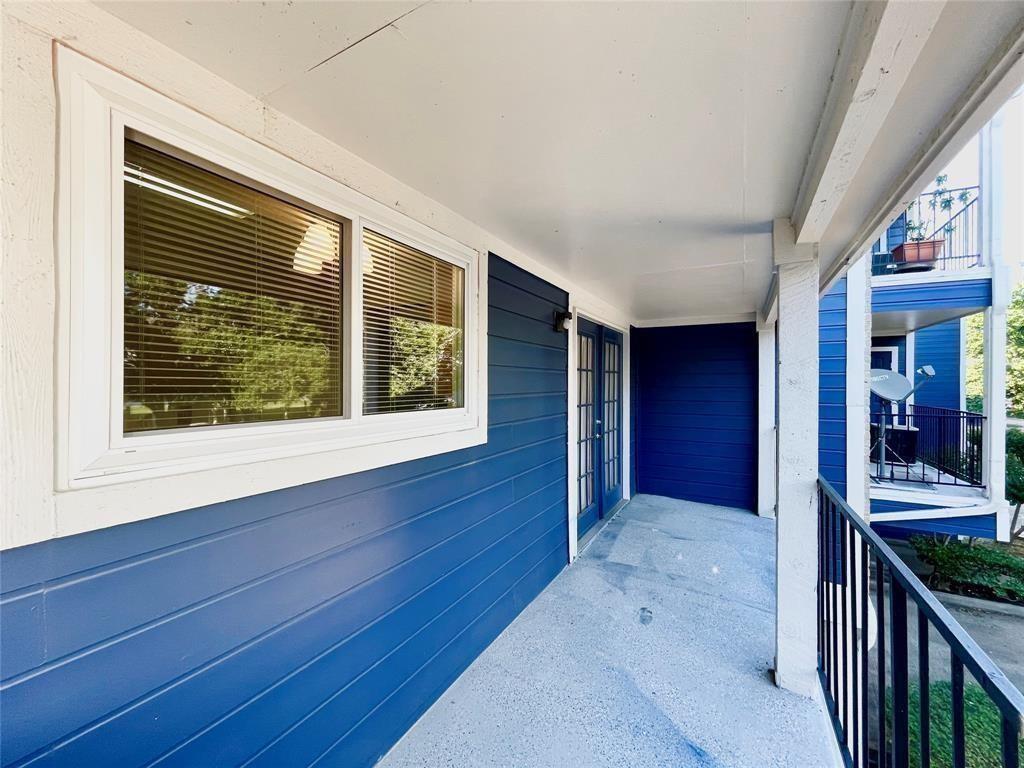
563, 321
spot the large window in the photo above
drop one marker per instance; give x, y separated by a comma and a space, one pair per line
232, 300
412, 328
237, 320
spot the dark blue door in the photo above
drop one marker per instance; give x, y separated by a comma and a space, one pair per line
599, 422
880, 358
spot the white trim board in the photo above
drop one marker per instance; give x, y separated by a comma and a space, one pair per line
741, 317
931, 278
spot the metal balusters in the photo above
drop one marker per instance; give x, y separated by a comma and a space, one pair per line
853, 735
900, 687
835, 613
959, 737
864, 650
850, 553
1010, 737
924, 697
841, 577
880, 615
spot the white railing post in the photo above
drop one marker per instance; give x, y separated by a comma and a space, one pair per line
796, 563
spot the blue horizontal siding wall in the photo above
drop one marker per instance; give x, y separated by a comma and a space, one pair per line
696, 414
897, 232
939, 347
923, 296
315, 622
978, 526
832, 386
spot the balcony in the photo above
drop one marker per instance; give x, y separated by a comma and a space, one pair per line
941, 234
653, 649
931, 446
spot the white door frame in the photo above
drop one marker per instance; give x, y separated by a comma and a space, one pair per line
895, 369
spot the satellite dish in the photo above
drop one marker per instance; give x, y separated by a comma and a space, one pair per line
890, 385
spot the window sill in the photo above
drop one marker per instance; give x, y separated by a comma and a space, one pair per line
130, 496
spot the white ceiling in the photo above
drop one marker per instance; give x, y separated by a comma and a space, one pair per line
643, 148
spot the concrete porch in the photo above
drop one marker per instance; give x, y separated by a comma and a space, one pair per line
652, 649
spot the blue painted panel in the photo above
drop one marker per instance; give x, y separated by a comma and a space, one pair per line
832, 386
957, 294
978, 526
897, 232
313, 622
695, 399
939, 346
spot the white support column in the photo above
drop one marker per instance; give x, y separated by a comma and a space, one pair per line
994, 431
858, 361
766, 430
993, 438
796, 565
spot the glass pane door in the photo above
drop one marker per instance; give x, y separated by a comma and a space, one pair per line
599, 422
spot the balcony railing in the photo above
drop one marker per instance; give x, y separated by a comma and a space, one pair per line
927, 444
943, 234
892, 700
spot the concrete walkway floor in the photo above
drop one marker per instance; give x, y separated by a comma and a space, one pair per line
653, 649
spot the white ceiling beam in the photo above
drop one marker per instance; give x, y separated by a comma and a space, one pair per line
997, 81
881, 44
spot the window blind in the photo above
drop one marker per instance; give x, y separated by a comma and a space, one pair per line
413, 328
232, 300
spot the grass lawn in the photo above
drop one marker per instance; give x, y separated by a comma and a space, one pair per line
982, 725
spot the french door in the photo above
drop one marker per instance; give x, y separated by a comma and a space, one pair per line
599, 422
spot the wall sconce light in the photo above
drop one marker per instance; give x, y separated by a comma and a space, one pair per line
563, 321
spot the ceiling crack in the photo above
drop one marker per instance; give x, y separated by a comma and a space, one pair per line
367, 36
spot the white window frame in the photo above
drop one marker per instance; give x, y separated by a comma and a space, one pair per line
895, 367
97, 106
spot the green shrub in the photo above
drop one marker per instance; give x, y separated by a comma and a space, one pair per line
1015, 443
981, 570
982, 725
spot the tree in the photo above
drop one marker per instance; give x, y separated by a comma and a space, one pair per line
1014, 357
1015, 353
207, 354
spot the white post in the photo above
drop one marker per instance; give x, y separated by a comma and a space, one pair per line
994, 431
796, 565
858, 361
993, 438
766, 430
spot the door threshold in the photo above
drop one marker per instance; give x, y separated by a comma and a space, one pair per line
590, 535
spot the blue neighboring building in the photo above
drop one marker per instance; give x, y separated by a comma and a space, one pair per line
929, 272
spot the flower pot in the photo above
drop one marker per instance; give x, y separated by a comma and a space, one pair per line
916, 251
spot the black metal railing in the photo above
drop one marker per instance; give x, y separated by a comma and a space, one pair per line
927, 444
949, 219
902, 692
